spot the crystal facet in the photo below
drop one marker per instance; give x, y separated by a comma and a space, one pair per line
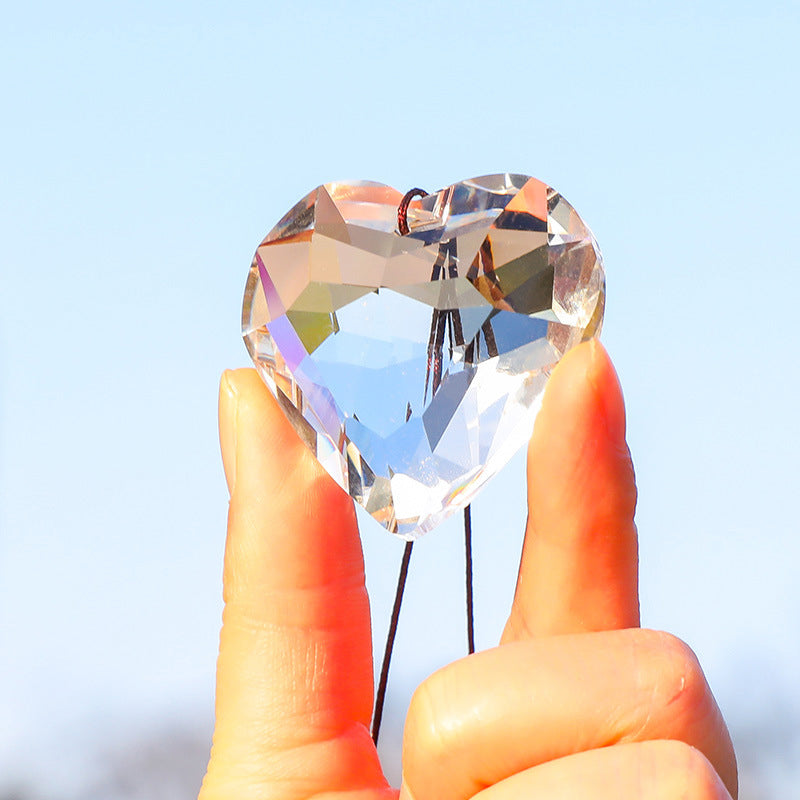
413, 366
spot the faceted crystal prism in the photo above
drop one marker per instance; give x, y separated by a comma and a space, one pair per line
413, 366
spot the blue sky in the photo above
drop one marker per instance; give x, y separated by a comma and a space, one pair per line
147, 148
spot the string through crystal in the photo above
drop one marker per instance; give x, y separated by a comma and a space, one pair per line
451, 320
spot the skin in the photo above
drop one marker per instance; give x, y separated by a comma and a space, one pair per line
577, 702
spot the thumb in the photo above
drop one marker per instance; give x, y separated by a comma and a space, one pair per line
294, 675
579, 567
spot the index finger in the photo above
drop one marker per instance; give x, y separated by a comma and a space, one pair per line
579, 566
294, 675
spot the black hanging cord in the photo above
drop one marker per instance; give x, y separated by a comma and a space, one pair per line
380, 697
387, 653
468, 549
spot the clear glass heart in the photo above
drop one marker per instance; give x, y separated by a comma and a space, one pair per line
414, 365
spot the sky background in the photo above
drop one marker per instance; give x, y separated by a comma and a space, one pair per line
145, 150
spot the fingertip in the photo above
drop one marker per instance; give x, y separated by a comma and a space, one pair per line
572, 377
244, 402
607, 389
580, 435
583, 399
242, 384
270, 449
567, 401
289, 524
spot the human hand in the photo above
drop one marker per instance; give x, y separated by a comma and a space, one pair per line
576, 702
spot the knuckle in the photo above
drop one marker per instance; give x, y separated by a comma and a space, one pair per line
692, 775
678, 679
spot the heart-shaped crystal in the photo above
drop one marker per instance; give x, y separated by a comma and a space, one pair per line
414, 365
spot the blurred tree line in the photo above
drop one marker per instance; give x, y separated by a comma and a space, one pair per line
169, 763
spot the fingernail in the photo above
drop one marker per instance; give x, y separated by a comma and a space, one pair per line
605, 382
228, 401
